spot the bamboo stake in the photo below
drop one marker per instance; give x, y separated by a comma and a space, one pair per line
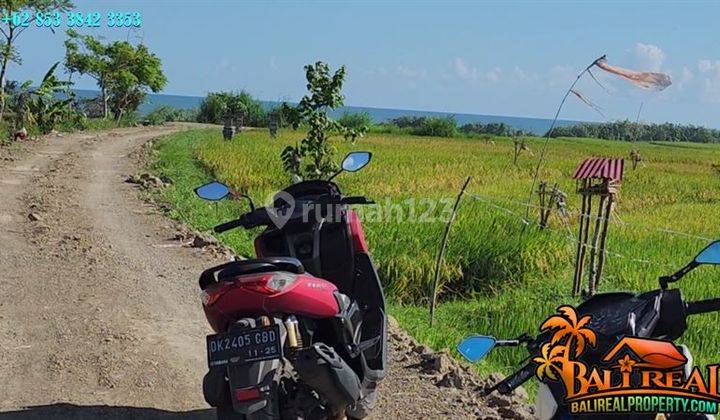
583, 222
441, 255
593, 249
541, 192
603, 238
584, 243
549, 132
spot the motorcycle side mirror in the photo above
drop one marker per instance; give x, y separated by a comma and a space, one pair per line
476, 347
709, 255
212, 191
353, 162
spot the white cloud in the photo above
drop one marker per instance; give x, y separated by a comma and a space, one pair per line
687, 75
411, 72
650, 57
710, 74
461, 69
706, 66
494, 75
685, 78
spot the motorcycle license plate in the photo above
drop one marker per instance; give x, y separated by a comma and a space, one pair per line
244, 346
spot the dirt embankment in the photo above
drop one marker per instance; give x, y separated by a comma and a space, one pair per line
100, 314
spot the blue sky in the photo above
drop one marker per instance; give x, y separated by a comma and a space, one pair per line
499, 58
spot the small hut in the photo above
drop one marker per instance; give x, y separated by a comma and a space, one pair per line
601, 178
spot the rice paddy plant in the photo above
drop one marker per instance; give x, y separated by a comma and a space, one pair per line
502, 275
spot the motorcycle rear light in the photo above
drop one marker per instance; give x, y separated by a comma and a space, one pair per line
269, 284
209, 297
247, 394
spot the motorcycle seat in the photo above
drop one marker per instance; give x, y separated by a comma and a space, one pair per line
251, 266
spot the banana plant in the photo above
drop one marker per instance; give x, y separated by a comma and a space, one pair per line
46, 105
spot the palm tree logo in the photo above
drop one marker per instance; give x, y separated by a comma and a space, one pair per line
571, 337
549, 361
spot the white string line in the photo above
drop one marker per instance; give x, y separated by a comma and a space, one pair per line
615, 218
570, 237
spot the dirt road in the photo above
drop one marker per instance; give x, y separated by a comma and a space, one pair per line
100, 313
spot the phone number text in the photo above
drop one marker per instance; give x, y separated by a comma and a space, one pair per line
74, 19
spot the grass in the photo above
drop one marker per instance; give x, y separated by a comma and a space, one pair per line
495, 280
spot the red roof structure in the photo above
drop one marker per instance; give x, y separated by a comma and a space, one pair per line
604, 168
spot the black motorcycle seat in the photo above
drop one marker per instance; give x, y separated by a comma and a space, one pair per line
242, 267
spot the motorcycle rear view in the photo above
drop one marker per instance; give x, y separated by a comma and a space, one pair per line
301, 328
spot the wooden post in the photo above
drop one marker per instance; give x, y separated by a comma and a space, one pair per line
594, 247
584, 233
541, 193
551, 202
273, 125
603, 238
239, 122
441, 254
581, 231
228, 130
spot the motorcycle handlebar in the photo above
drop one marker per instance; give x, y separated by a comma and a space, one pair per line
260, 216
228, 225
702, 306
356, 200
508, 385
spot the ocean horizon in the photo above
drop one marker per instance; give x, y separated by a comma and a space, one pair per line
537, 126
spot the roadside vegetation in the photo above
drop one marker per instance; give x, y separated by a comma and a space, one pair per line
124, 73
495, 280
630, 131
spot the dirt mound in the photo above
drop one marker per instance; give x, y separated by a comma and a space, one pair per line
434, 385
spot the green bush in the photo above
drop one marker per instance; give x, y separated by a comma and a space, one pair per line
495, 129
166, 113
437, 127
355, 119
420, 126
217, 105
406, 121
630, 131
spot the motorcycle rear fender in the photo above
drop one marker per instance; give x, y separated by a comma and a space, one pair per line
244, 377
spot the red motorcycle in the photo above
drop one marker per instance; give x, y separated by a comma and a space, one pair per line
301, 330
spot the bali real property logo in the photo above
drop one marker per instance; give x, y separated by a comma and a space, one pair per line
637, 375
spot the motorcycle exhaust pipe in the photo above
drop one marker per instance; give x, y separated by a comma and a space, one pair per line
326, 372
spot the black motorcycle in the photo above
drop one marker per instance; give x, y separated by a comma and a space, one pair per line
658, 314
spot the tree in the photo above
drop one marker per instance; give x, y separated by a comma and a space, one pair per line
219, 105
90, 59
12, 29
124, 73
313, 157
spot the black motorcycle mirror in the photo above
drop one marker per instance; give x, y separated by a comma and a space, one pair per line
353, 162
709, 255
